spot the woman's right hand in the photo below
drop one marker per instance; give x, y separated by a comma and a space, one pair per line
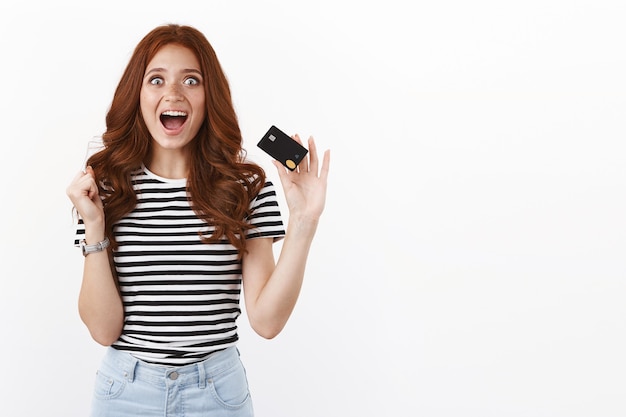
99, 301
83, 191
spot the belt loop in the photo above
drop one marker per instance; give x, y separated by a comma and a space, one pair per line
130, 371
201, 375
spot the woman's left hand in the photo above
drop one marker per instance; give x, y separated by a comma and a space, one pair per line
305, 187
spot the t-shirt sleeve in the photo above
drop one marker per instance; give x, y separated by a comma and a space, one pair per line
265, 215
79, 229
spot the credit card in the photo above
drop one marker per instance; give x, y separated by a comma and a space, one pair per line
283, 148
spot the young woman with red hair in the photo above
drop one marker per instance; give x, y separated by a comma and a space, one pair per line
173, 222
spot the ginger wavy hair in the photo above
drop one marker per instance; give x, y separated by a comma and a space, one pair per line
220, 183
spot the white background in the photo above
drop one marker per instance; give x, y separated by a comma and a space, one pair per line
471, 258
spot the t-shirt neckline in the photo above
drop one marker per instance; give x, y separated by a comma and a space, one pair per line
173, 181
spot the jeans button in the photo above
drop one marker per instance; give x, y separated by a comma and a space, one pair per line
173, 375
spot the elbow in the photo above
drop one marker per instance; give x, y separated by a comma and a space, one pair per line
104, 328
105, 332
269, 335
267, 331
105, 338
267, 324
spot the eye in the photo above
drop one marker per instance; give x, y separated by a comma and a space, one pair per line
156, 81
191, 81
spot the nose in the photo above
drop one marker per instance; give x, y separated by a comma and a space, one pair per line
174, 93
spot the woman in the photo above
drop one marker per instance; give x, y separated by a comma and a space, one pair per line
173, 221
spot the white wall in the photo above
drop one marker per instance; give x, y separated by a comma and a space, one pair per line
470, 261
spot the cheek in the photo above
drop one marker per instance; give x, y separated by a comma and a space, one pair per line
144, 107
199, 103
199, 107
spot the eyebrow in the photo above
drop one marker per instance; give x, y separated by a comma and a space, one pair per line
184, 71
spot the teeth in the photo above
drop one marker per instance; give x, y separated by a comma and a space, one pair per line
174, 113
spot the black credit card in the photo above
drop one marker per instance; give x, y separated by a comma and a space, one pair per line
282, 148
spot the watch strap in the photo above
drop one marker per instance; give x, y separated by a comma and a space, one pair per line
96, 247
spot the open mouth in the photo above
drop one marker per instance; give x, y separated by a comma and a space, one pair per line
173, 119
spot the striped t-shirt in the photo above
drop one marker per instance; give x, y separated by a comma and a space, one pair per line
180, 295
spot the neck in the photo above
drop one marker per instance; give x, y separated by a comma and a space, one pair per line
168, 164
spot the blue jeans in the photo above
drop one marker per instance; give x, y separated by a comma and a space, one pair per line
216, 387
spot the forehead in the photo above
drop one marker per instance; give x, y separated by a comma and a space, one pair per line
172, 57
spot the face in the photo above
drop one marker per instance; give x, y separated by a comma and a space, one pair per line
172, 98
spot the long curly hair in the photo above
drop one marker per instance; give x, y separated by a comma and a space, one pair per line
220, 183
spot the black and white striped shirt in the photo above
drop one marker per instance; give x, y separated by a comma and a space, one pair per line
180, 295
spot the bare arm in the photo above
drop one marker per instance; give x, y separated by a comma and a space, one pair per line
272, 289
99, 302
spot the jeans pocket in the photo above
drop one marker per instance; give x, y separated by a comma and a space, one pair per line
107, 387
230, 388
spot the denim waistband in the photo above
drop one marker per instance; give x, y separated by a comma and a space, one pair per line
196, 373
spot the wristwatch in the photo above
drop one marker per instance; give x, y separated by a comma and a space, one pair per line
96, 247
